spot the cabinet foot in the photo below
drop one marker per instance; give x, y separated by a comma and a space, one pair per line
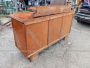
33, 57
66, 38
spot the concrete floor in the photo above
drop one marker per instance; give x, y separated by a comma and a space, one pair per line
4, 20
60, 55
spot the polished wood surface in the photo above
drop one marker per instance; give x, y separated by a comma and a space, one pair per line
54, 28
20, 36
66, 26
35, 34
22, 16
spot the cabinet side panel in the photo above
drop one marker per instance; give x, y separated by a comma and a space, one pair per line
19, 35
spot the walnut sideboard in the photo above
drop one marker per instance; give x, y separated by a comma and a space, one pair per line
34, 34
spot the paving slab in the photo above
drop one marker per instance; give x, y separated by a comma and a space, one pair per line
4, 20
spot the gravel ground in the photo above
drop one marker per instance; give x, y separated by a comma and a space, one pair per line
60, 55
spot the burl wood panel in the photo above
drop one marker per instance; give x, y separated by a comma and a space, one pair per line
20, 35
36, 37
55, 28
66, 26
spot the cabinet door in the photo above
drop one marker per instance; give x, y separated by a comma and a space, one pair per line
54, 29
66, 26
36, 37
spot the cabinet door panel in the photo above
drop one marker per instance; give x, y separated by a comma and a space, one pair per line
66, 26
54, 30
37, 36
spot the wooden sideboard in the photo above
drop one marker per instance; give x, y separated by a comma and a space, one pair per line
35, 34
